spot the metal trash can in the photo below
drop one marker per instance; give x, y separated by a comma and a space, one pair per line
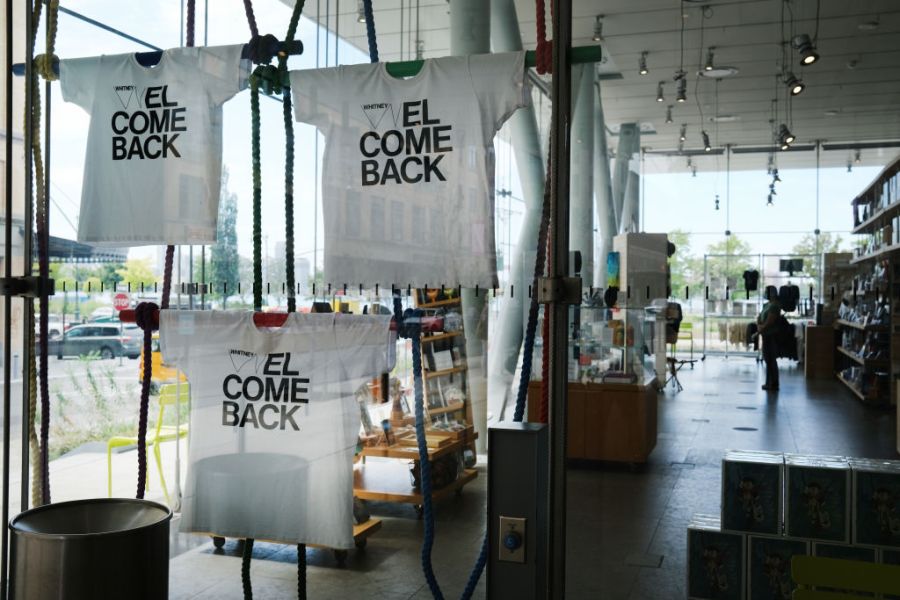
91, 549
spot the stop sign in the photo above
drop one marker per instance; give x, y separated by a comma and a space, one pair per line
120, 301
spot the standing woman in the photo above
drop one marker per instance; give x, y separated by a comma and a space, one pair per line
767, 323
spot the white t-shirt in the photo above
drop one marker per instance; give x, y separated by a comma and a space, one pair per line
274, 422
408, 180
153, 164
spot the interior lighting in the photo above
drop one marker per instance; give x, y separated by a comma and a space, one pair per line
669, 114
785, 137
709, 59
849, 167
682, 89
804, 46
794, 84
360, 12
659, 92
775, 177
857, 157
706, 146
683, 135
717, 202
769, 203
693, 171
642, 65
598, 29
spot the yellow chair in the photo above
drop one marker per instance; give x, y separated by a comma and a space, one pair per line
685, 333
843, 579
168, 395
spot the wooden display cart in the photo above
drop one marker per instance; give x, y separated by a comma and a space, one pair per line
607, 421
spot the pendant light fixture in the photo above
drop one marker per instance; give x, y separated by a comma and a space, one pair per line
659, 92
669, 114
805, 47
794, 85
857, 158
706, 146
785, 137
681, 96
598, 29
360, 12
642, 64
683, 135
709, 59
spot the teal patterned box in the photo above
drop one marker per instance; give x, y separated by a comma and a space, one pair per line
817, 498
876, 502
752, 492
769, 566
716, 561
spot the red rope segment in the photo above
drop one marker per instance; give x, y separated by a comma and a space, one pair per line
544, 50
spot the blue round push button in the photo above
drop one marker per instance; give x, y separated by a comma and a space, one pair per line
512, 541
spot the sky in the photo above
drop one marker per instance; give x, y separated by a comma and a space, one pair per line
671, 200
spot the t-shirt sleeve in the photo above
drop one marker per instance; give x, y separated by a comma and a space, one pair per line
499, 82
177, 330
313, 94
225, 71
77, 78
369, 344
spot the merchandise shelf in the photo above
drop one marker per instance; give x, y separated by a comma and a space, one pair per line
877, 254
860, 326
852, 387
866, 362
389, 481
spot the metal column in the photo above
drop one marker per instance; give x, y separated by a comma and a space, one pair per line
558, 268
603, 196
506, 339
630, 221
470, 33
582, 179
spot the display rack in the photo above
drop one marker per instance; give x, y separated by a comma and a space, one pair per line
385, 469
869, 349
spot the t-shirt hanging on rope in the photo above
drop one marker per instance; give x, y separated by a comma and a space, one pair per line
154, 153
274, 420
408, 178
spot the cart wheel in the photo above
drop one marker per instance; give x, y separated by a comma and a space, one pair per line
218, 541
420, 511
361, 543
341, 557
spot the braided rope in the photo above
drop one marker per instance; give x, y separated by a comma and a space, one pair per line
301, 571
190, 19
370, 30
289, 198
475, 575
251, 18
257, 191
144, 317
544, 49
167, 277
531, 326
34, 447
246, 555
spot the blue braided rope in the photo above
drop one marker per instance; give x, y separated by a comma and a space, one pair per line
412, 326
476, 570
370, 30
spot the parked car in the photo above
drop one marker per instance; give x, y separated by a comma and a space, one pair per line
105, 340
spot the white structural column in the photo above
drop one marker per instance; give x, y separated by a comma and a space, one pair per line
470, 33
581, 235
625, 183
603, 196
506, 339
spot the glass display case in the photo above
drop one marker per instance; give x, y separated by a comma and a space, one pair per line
611, 345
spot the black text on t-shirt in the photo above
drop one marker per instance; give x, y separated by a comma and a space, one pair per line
422, 140
148, 132
264, 402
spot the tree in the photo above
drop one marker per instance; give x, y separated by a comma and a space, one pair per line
137, 271
812, 244
108, 273
686, 268
224, 263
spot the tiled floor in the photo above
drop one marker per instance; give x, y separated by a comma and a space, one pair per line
626, 534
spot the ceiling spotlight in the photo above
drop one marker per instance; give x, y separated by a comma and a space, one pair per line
772, 189
642, 65
769, 203
771, 164
659, 92
706, 146
690, 162
804, 46
360, 12
785, 137
683, 135
849, 167
693, 171
856, 157
681, 96
709, 59
794, 85
669, 114
598, 29
775, 177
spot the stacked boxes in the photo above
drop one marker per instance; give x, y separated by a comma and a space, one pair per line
818, 498
777, 506
716, 560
